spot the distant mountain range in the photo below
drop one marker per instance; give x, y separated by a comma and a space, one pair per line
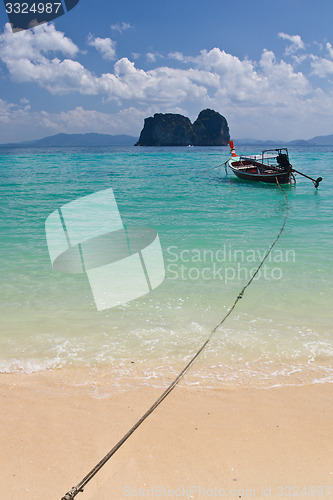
76, 140
95, 140
319, 140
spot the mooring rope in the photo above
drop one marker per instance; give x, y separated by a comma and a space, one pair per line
80, 486
212, 168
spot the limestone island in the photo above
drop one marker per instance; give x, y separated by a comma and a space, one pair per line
209, 129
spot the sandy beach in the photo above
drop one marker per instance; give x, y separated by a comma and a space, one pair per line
225, 442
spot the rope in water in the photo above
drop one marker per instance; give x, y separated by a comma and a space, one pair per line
80, 486
212, 168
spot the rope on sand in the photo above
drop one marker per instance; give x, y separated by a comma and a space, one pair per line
80, 486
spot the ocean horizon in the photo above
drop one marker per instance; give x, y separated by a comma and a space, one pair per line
214, 230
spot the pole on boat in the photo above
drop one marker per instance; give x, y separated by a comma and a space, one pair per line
232, 148
315, 181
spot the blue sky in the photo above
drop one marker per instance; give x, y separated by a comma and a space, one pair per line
267, 66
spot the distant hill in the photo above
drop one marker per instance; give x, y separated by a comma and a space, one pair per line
95, 140
320, 140
250, 142
77, 140
299, 142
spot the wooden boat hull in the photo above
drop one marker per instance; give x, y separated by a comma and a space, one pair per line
252, 174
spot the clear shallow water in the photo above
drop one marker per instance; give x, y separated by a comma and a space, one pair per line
213, 230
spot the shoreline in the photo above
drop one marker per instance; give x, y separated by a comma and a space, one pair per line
229, 439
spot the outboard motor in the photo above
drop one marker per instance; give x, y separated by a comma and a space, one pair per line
283, 162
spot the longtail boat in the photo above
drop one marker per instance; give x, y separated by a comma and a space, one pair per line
271, 166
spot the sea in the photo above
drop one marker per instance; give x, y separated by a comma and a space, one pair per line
214, 230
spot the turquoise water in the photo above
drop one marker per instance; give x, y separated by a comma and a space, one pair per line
213, 230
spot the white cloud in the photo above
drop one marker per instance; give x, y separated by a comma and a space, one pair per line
19, 122
267, 92
26, 55
67, 75
15, 121
35, 44
321, 67
120, 27
281, 77
178, 56
299, 59
296, 43
25, 102
105, 46
163, 84
58, 77
80, 120
6, 111
153, 56
329, 49
213, 74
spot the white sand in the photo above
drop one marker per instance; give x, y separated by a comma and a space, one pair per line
230, 442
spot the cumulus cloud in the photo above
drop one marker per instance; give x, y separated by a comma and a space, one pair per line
29, 124
19, 122
213, 77
120, 27
321, 67
265, 89
6, 111
329, 49
15, 120
105, 46
296, 43
25, 55
35, 44
212, 74
162, 84
153, 56
282, 76
80, 120
245, 81
28, 56
178, 56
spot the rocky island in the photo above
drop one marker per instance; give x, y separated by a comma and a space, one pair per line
209, 129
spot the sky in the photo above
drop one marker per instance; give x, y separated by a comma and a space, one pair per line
267, 66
